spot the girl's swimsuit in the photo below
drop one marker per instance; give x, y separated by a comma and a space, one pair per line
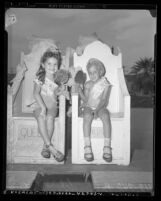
48, 96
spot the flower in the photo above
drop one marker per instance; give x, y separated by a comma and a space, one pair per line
61, 76
80, 77
73, 71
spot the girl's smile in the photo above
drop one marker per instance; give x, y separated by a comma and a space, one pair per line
51, 65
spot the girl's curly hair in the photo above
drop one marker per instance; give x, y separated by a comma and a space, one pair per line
48, 54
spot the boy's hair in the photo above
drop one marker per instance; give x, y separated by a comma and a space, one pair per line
48, 54
100, 66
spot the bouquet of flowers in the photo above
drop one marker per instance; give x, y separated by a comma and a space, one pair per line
61, 76
80, 77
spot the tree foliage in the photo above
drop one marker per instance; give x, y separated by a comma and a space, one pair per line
144, 65
144, 71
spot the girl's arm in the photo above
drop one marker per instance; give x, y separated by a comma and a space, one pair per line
37, 96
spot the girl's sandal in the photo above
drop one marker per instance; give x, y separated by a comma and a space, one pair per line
107, 155
45, 152
59, 157
89, 155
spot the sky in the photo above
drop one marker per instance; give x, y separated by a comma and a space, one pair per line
130, 30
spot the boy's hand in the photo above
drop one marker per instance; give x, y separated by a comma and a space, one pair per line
95, 114
83, 105
80, 89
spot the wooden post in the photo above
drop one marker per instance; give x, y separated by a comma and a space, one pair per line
9, 125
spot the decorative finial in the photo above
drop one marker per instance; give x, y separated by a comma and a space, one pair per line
10, 19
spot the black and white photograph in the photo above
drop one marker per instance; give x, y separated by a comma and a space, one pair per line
80, 99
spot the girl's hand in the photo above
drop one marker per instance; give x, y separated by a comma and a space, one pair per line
62, 88
66, 94
95, 114
62, 91
56, 92
43, 112
59, 91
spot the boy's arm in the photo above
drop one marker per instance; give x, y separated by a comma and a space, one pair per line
36, 94
84, 96
104, 98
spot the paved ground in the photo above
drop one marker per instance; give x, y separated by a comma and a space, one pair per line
76, 178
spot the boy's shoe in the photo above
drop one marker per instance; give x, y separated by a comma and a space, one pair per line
89, 155
107, 155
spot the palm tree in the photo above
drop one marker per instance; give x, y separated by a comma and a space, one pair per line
144, 69
144, 65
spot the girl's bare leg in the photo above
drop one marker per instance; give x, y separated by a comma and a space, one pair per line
50, 126
43, 130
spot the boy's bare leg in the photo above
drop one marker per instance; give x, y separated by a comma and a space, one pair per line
87, 121
105, 117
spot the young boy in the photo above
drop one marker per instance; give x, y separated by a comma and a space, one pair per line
95, 100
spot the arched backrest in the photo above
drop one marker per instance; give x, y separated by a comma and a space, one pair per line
28, 84
101, 51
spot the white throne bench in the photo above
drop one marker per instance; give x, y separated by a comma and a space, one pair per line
119, 107
24, 143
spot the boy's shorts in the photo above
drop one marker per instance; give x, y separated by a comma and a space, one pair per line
50, 112
88, 110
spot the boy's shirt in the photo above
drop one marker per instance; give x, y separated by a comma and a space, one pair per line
96, 91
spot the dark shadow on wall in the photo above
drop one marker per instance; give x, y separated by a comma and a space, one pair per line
68, 130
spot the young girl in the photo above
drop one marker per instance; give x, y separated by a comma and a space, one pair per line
95, 100
45, 94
